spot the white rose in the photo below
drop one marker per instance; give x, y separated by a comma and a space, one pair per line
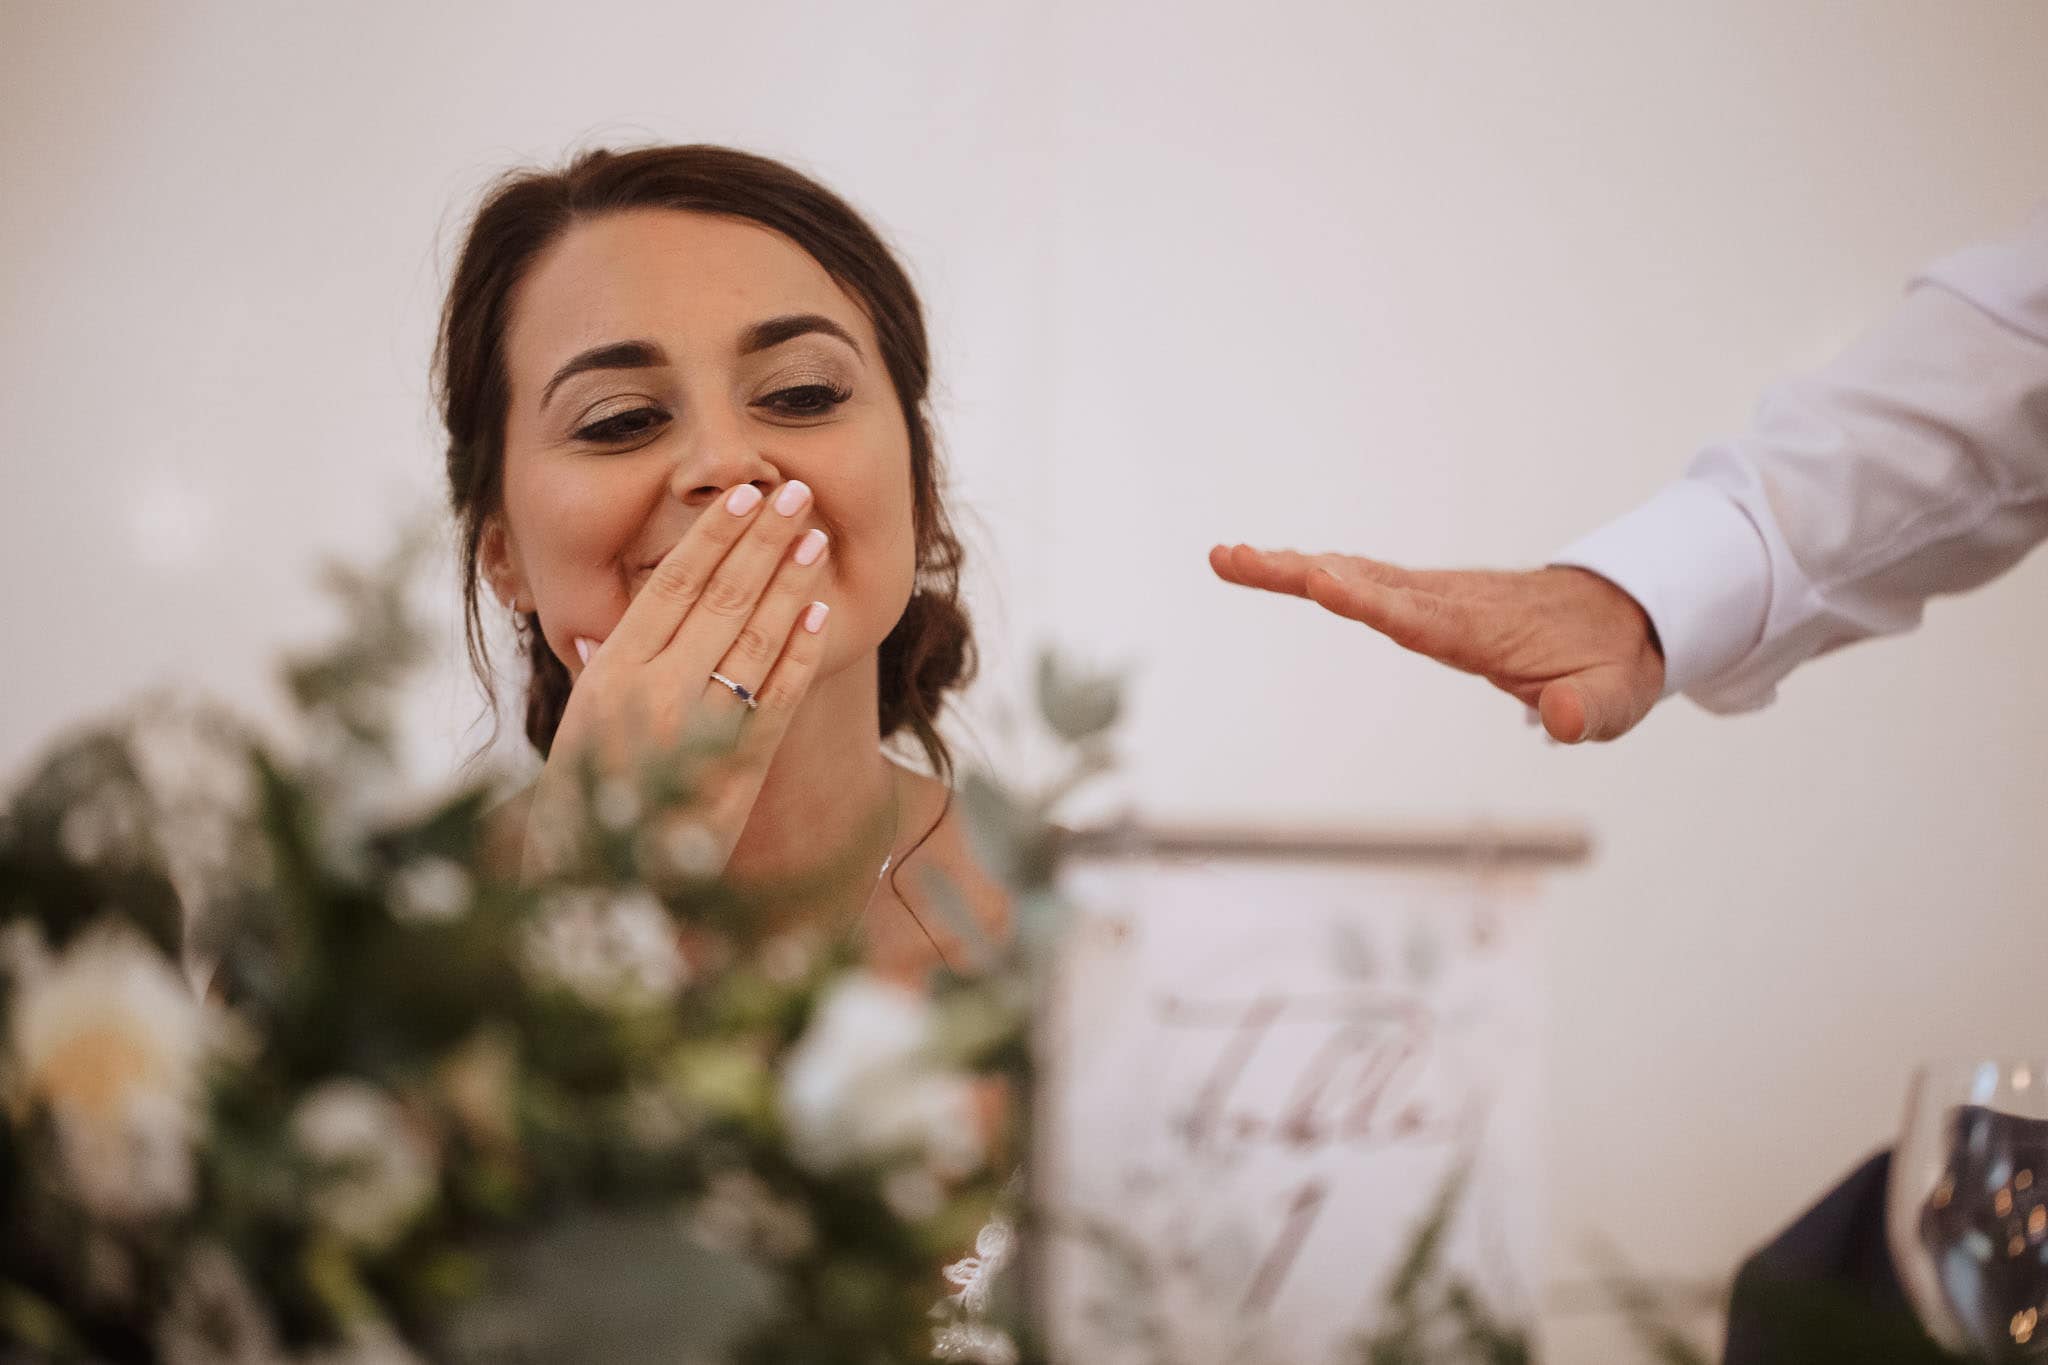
913, 1193
929, 1112
108, 1039
431, 891
860, 1084
611, 948
375, 1173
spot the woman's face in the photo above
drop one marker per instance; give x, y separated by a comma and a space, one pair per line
659, 357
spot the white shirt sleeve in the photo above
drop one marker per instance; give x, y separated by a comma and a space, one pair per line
1914, 464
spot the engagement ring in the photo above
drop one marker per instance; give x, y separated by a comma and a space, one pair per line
736, 689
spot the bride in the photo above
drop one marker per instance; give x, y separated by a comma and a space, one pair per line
685, 391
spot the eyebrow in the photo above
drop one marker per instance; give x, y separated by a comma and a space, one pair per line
616, 355
775, 331
646, 355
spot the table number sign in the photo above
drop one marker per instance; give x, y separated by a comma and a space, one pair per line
1268, 1056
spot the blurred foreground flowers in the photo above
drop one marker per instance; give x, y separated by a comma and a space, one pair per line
294, 1070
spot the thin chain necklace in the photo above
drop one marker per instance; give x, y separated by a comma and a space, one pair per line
895, 830
889, 856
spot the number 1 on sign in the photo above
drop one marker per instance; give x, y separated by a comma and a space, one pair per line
1272, 1272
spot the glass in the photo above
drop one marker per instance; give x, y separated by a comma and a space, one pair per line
1967, 1212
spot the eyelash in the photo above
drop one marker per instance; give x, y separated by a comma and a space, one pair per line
608, 432
816, 400
820, 399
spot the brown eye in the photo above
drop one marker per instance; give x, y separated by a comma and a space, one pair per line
805, 400
623, 427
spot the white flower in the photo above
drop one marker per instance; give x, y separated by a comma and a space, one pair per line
975, 1276
616, 804
933, 1113
375, 1173
974, 1341
613, 949
860, 1084
681, 847
193, 763
431, 891
109, 1039
968, 1337
105, 827
786, 959
862, 1024
913, 1193
186, 753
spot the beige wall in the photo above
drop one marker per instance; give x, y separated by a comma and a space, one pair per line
1447, 283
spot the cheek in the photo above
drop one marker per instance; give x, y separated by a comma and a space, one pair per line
875, 580
874, 566
572, 523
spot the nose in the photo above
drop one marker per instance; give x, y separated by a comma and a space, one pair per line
719, 457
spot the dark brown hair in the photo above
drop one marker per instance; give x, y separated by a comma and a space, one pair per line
930, 651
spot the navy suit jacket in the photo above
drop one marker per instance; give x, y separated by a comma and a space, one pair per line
1825, 1285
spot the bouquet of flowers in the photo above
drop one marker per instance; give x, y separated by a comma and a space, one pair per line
290, 1071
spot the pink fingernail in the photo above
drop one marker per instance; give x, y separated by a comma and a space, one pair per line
814, 619
810, 547
793, 496
583, 649
743, 500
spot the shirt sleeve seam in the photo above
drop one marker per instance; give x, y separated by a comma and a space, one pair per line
2003, 323
1908, 540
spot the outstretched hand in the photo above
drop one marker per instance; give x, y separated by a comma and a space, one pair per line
1564, 641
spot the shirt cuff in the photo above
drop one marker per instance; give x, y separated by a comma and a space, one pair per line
1697, 566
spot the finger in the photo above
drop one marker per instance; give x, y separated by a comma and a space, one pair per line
754, 650
733, 592
1219, 562
1441, 627
1287, 570
1283, 571
1589, 706
788, 682
1564, 712
651, 619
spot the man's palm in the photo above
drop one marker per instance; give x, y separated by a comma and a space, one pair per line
1565, 641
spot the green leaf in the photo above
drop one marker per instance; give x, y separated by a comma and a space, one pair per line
611, 1287
1076, 706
